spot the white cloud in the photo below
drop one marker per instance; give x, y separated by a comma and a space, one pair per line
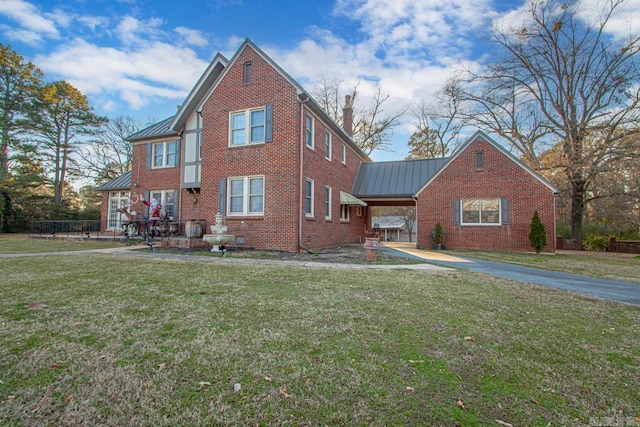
192, 37
131, 30
28, 17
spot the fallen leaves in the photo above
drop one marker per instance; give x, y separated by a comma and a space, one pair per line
283, 392
461, 404
410, 389
469, 339
35, 305
505, 424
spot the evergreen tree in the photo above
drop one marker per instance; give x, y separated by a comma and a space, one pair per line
538, 234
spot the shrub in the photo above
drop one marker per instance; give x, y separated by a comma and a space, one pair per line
538, 234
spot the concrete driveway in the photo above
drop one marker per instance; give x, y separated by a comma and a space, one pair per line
611, 290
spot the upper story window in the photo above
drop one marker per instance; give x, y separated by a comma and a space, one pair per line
327, 145
308, 130
165, 154
480, 211
479, 158
344, 154
246, 72
246, 195
247, 127
327, 202
199, 144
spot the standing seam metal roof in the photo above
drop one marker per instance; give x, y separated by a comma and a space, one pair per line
159, 129
402, 178
122, 182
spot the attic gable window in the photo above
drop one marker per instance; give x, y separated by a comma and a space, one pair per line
246, 72
479, 158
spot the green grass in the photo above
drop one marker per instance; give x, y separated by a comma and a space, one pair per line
119, 340
601, 265
20, 243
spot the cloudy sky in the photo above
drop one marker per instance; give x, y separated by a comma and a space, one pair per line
141, 57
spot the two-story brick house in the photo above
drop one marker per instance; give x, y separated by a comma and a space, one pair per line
251, 143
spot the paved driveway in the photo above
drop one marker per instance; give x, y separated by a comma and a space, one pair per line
625, 292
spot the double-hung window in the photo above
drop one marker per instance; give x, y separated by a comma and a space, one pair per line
308, 194
308, 130
167, 199
327, 202
480, 211
327, 145
165, 154
344, 154
246, 195
344, 213
247, 127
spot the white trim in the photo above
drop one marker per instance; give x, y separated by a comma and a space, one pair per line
246, 195
327, 209
312, 131
329, 145
247, 126
480, 223
165, 163
309, 197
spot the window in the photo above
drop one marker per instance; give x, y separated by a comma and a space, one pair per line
344, 154
308, 131
308, 194
247, 127
167, 199
327, 145
480, 211
327, 202
117, 200
165, 154
199, 144
479, 160
246, 73
246, 195
344, 213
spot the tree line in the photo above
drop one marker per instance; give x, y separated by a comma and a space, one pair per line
51, 138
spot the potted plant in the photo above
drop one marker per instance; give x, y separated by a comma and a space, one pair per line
438, 236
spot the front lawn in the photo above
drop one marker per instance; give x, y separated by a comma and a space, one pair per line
120, 340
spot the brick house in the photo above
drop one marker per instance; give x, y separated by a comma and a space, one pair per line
251, 143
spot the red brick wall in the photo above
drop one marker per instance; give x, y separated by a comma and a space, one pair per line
277, 161
501, 177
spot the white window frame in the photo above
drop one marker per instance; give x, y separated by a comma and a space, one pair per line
327, 202
309, 202
248, 126
165, 198
117, 200
344, 213
480, 212
344, 154
246, 195
164, 156
327, 145
309, 131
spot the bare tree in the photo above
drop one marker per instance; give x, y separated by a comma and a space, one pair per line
109, 154
437, 125
372, 126
559, 80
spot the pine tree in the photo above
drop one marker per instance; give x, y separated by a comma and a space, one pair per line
538, 234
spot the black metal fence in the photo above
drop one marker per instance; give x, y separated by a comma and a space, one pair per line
64, 228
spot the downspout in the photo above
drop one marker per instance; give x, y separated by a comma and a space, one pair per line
303, 98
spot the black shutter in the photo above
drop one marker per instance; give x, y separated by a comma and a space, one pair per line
456, 212
268, 123
504, 214
222, 196
177, 152
149, 155
176, 195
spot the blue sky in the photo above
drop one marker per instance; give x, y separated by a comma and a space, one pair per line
141, 57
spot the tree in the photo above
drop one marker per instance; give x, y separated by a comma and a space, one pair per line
18, 83
372, 127
561, 79
537, 233
437, 126
109, 154
408, 215
62, 116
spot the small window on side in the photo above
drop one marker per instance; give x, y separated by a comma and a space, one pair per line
246, 73
479, 160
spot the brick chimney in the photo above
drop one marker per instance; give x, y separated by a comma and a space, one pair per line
347, 116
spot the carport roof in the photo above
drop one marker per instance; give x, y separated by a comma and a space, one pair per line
398, 179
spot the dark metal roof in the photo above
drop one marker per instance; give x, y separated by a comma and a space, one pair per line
122, 182
402, 178
159, 129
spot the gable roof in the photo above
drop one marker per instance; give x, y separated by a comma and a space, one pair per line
201, 88
395, 179
156, 130
483, 136
122, 182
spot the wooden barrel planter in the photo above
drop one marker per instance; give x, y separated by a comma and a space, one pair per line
193, 228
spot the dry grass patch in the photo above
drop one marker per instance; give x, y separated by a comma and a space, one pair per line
22, 243
124, 341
